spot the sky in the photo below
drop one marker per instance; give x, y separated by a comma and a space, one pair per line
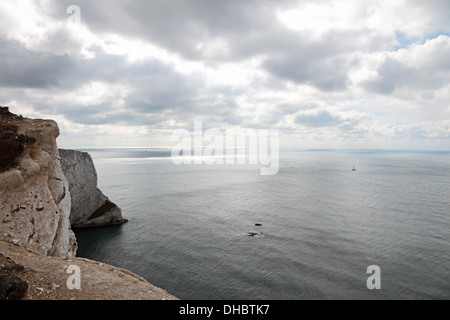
326, 74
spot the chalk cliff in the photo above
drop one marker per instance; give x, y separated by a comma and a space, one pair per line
34, 193
90, 207
37, 244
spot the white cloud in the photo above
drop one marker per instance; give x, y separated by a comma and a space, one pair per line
317, 18
342, 72
415, 19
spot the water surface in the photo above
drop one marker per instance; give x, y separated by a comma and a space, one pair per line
322, 224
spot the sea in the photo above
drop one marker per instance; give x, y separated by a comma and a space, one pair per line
315, 230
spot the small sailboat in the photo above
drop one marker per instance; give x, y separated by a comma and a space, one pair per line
354, 169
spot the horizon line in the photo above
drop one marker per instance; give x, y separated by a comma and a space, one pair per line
281, 148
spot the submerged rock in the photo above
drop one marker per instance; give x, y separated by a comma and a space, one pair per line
253, 234
90, 207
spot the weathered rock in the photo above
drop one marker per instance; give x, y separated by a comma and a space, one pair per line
34, 193
12, 146
90, 207
47, 277
37, 244
11, 286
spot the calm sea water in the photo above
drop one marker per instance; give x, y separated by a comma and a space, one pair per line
322, 224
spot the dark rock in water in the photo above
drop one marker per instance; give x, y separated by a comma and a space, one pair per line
104, 211
252, 234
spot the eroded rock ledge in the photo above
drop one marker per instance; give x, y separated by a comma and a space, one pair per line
90, 207
28, 275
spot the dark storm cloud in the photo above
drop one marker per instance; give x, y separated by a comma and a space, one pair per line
26, 69
180, 25
336, 58
326, 75
251, 27
324, 62
157, 90
245, 29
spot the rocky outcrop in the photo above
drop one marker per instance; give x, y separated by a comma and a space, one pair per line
12, 287
37, 245
90, 207
34, 193
32, 276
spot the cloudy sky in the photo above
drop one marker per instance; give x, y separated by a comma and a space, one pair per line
364, 74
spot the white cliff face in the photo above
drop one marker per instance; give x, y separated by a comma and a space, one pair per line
35, 209
90, 207
34, 193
